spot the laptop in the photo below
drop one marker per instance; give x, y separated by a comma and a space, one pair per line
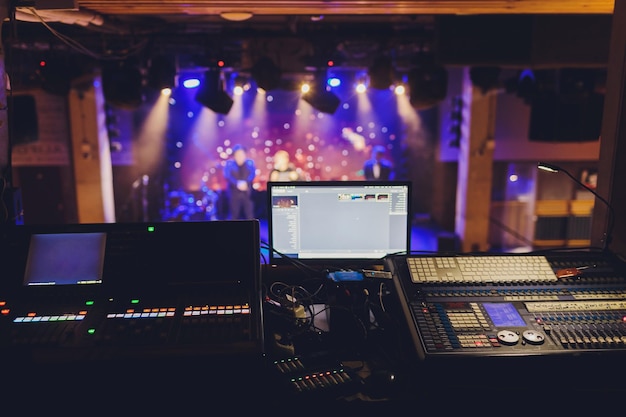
339, 223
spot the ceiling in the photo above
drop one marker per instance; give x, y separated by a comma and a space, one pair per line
138, 16
303, 34
207, 8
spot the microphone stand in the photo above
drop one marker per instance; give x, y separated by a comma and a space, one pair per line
144, 197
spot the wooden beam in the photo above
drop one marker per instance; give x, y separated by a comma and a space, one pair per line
611, 168
369, 7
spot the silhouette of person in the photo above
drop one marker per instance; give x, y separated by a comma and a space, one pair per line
377, 167
283, 169
239, 173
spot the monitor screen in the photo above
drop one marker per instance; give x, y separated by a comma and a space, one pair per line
65, 258
343, 220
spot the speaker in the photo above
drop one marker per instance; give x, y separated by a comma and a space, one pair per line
211, 93
322, 100
567, 105
558, 117
381, 73
23, 119
162, 72
428, 85
218, 101
122, 86
485, 78
266, 74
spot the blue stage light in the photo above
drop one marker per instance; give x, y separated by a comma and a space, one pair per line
191, 83
334, 82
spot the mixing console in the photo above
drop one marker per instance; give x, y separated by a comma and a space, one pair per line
114, 291
580, 309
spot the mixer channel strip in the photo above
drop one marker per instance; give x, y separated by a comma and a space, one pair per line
479, 269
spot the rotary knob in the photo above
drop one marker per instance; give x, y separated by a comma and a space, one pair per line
507, 337
533, 337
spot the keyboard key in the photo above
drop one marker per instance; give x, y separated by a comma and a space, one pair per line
498, 268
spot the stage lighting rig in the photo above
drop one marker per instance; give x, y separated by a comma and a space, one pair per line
320, 97
211, 93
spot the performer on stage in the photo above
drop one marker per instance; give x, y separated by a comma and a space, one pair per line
283, 170
239, 173
377, 167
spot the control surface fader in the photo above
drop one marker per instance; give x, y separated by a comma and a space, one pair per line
511, 328
491, 314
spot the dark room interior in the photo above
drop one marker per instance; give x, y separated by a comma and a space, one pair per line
428, 210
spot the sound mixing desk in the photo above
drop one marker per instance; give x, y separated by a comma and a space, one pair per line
176, 316
142, 310
78, 326
516, 319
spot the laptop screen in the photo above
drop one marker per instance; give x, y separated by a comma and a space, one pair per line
338, 220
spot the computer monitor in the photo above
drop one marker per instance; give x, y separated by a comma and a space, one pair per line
338, 220
65, 259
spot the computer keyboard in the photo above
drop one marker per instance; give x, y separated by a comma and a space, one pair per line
480, 268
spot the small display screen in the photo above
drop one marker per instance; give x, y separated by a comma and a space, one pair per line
504, 315
65, 258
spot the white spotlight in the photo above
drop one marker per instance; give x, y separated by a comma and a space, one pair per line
399, 90
191, 83
334, 82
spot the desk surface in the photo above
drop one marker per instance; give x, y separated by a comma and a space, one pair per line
357, 355
369, 335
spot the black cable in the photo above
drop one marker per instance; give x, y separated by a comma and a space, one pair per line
303, 267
